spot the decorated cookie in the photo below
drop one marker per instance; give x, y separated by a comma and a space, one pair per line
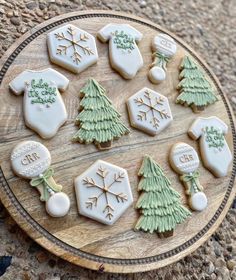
184, 160
149, 111
31, 160
164, 47
125, 56
103, 192
98, 121
215, 151
44, 109
195, 90
72, 48
159, 204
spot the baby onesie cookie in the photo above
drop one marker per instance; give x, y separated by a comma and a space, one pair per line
43, 107
31, 160
98, 121
195, 89
72, 48
149, 111
215, 151
184, 160
159, 204
164, 47
103, 192
124, 53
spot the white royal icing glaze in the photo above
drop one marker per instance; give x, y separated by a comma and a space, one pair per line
58, 205
72, 48
29, 159
124, 53
215, 151
149, 111
93, 183
43, 106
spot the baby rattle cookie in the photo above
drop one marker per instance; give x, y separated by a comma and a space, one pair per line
215, 151
184, 160
72, 48
31, 160
164, 48
124, 53
43, 106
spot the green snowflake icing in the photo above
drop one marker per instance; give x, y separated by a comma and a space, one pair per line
41, 93
123, 41
214, 137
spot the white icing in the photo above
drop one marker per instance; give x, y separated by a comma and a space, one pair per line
38, 161
146, 116
46, 118
81, 50
164, 44
85, 193
217, 160
156, 75
58, 205
126, 61
198, 201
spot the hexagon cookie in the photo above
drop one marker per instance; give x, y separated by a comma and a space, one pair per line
103, 192
72, 48
149, 111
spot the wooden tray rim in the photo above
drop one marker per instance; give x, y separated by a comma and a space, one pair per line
77, 256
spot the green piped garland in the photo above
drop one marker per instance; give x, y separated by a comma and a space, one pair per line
194, 88
159, 204
214, 137
123, 41
98, 121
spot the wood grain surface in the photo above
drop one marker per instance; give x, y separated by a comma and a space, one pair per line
78, 239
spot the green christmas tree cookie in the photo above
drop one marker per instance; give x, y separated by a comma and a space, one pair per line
195, 90
98, 121
159, 204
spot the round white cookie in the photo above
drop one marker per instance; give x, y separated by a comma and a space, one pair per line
183, 158
29, 159
58, 205
198, 201
156, 74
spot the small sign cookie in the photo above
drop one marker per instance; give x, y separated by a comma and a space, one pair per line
103, 192
184, 160
31, 160
149, 111
44, 109
124, 53
164, 48
72, 48
215, 151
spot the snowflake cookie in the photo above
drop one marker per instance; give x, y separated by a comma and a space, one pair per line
149, 111
72, 48
124, 53
215, 151
103, 192
31, 160
184, 160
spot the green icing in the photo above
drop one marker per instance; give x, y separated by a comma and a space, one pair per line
98, 121
159, 204
193, 184
194, 88
41, 93
48, 186
123, 41
161, 60
214, 137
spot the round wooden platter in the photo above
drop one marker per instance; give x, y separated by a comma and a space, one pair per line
78, 239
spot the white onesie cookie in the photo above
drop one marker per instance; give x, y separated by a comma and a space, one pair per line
125, 56
215, 151
43, 107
